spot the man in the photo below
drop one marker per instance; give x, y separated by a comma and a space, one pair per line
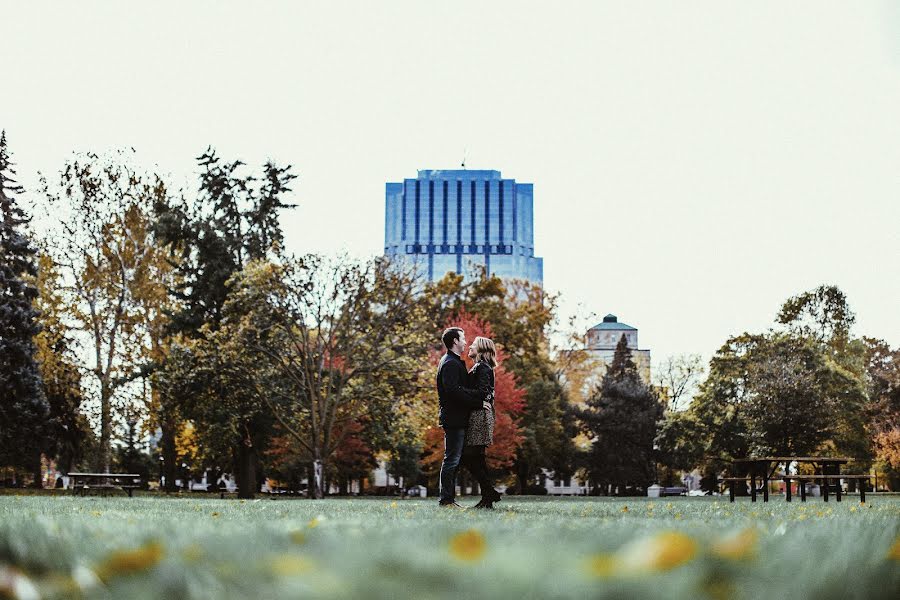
456, 402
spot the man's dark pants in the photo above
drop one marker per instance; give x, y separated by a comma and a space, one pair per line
454, 441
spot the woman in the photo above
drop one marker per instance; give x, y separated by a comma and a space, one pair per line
480, 432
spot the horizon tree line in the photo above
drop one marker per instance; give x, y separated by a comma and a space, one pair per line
146, 311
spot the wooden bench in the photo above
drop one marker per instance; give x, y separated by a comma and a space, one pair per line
763, 468
732, 480
103, 482
802, 479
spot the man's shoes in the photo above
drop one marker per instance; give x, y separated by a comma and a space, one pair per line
449, 505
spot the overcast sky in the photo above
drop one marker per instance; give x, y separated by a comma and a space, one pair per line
694, 163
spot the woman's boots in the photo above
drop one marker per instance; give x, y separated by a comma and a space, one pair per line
489, 496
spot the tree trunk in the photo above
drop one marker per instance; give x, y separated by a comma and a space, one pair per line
105, 427
37, 484
344, 491
316, 485
521, 477
169, 453
246, 469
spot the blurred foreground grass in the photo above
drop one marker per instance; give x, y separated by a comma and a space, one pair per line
149, 547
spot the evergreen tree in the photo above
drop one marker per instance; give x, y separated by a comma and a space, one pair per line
622, 418
23, 407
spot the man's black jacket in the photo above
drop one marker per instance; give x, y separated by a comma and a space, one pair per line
456, 400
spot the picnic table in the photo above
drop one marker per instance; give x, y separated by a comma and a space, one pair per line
827, 469
105, 481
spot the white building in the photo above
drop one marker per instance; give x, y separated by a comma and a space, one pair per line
601, 341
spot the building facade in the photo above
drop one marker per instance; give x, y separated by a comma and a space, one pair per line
450, 220
601, 341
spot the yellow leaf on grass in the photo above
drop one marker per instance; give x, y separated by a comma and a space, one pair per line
286, 565
298, 537
894, 552
468, 545
128, 562
739, 546
192, 553
661, 552
602, 565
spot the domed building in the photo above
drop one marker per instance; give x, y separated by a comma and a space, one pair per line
601, 341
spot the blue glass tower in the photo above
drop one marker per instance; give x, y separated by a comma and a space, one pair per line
446, 221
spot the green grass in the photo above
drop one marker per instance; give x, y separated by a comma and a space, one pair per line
149, 547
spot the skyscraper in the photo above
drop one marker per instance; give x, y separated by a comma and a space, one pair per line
444, 221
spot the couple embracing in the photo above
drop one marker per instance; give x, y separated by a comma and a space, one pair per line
467, 413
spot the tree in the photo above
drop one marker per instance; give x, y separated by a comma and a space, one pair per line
23, 406
232, 221
622, 419
883, 382
676, 381
677, 378
822, 314
69, 430
776, 394
103, 249
677, 443
337, 342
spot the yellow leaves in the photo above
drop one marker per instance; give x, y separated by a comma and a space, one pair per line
894, 552
602, 565
658, 553
192, 553
96, 513
394, 504
468, 546
739, 546
315, 522
287, 565
297, 537
625, 509
215, 514
187, 441
128, 562
661, 552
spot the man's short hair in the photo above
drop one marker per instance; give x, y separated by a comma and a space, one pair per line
451, 334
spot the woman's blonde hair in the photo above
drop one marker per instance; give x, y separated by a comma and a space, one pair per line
485, 351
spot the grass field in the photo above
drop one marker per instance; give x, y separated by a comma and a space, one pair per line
149, 547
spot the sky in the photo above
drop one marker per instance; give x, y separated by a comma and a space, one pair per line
694, 163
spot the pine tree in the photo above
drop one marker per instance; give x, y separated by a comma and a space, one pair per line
22, 404
622, 417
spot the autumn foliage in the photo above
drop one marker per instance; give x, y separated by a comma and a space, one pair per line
509, 402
